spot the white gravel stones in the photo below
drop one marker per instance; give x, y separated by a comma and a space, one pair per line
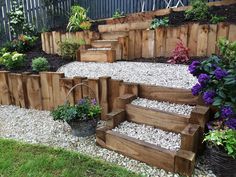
149, 134
164, 106
136, 72
34, 126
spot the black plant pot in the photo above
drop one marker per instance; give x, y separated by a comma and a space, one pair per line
220, 162
83, 128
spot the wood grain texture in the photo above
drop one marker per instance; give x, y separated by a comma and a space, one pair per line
232, 32
138, 44
131, 45
65, 85
160, 42
148, 43
113, 93
193, 38
157, 118
114, 118
129, 88
103, 95
202, 40
211, 47
5, 98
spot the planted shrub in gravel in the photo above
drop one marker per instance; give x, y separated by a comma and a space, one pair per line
40, 64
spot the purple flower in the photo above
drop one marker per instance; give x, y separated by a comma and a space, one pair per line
231, 123
208, 97
203, 79
94, 102
196, 89
220, 73
81, 101
193, 67
227, 111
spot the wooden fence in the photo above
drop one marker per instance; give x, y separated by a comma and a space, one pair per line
43, 14
47, 90
200, 39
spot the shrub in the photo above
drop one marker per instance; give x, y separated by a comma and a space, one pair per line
40, 64
217, 19
12, 60
180, 54
85, 25
78, 15
118, 14
69, 47
85, 109
159, 23
199, 10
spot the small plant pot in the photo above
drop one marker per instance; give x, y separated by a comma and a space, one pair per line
83, 128
220, 162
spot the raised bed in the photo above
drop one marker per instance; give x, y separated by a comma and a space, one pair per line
181, 161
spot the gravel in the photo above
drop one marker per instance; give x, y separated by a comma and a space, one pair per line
164, 106
34, 126
136, 72
149, 134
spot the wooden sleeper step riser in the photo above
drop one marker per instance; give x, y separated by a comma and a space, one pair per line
97, 56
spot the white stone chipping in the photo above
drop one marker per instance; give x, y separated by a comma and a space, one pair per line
149, 134
168, 75
35, 126
164, 106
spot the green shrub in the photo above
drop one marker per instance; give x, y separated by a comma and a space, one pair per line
12, 60
78, 15
118, 14
199, 10
40, 64
217, 19
69, 47
85, 25
159, 23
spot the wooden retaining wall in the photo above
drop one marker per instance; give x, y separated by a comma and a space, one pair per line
47, 90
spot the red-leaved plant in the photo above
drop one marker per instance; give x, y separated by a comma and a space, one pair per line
180, 54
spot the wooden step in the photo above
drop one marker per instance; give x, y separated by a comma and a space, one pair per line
97, 55
114, 35
160, 119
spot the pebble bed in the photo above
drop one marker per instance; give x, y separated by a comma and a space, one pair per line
168, 75
164, 106
149, 134
34, 126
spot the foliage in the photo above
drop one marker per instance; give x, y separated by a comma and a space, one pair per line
40, 64
85, 109
217, 19
223, 138
164, 22
12, 60
85, 25
199, 10
17, 21
118, 14
23, 44
216, 84
180, 54
21, 159
78, 15
69, 47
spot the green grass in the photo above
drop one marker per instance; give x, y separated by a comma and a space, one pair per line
24, 160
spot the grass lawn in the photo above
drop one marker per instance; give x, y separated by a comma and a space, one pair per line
23, 160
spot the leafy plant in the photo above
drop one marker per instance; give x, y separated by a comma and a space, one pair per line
199, 10
85, 109
164, 22
118, 14
12, 60
85, 25
217, 19
17, 21
40, 64
78, 15
69, 47
223, 138
180, 54
228, 50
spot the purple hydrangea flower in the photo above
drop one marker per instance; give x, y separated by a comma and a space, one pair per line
203, 79
81, 101
193, 67
208, 97
196, 89
227, 111
231, 123
94, 102
220, 73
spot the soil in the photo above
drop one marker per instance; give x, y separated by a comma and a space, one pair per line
178, 17
55, 61
165, 60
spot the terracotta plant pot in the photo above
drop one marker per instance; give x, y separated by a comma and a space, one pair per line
220, 162
83, 128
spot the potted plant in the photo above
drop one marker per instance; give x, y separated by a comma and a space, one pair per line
82, 117
217, 83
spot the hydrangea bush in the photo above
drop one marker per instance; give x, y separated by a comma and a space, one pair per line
217, 86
